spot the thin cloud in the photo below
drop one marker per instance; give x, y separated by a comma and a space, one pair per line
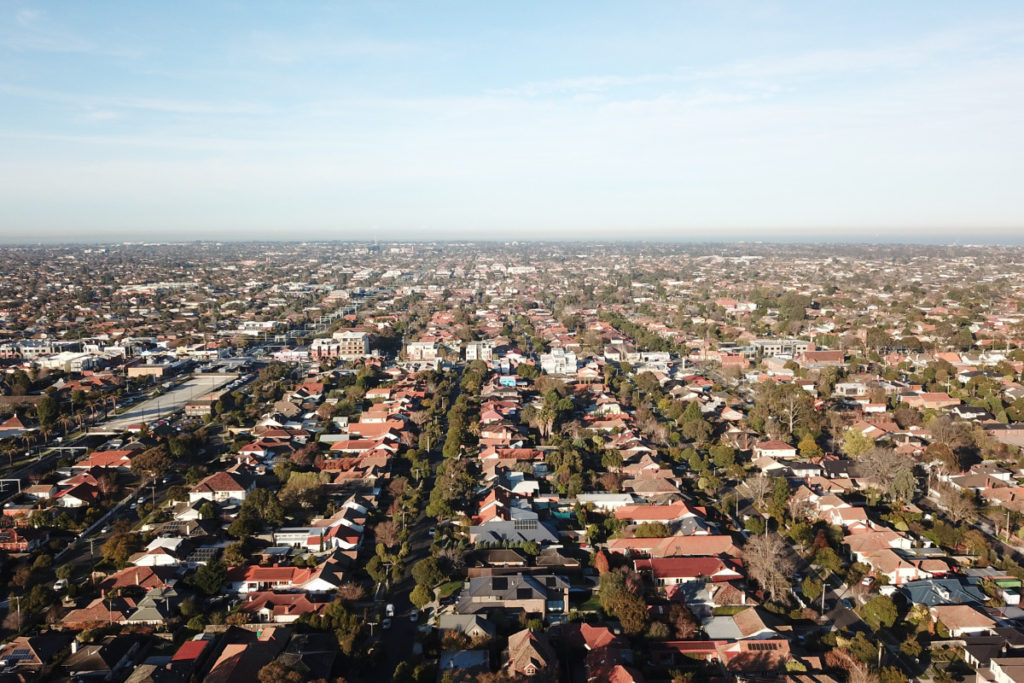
169, 106
283, 49
32, 31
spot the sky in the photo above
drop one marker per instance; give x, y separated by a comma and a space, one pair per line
717, 120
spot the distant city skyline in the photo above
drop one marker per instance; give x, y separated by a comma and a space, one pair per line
696, 121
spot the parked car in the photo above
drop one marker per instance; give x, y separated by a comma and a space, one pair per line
386, 624
389, 611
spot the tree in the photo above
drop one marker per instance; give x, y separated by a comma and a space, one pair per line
427, 572
263, 504
758, 488
723, 456
770, 563
375, 568
210, 577
809, 448
891, 470
959, 505
631, 611
811, 588
207, 510
387, 532
153, 462
944, 455
302, 490
826, 558
611, 459
119, 547
48, 410
421, 595
683, 622
855, 443
879, 611
453, 488
652, 530
278, 672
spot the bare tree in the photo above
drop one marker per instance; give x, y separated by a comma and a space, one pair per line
770, 563
387, 533
884, 465
959, 505
758, 488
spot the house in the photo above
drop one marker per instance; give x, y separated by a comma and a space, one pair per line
747, 623
529, 654
118, 459
774, 449
673, 546
155, 608
281, 607
226, 488
533, 594
667, 514
32, 653
949, 591
473, 626
325, 577
961, 620
933, 400
670, 571
605, 501
145, 578
105, 661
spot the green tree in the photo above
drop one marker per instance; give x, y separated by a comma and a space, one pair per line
421, 595
827, 558
210, 577
809, 448
48, 410
453, 488
427, 572
119, 547
723, 456
263, 505
811, 588
879, 611
652, 530
855, 443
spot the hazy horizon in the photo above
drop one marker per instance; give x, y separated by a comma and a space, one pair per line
871, 123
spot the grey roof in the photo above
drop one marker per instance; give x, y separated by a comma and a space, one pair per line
931, 592
722, 628
465, 659
466, 623
490, 591
515, 531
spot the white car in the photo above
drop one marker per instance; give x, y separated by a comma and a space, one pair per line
389, 611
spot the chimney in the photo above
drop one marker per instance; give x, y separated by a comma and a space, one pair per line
74, 645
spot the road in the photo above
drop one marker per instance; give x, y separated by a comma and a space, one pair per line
399, 639
170, 402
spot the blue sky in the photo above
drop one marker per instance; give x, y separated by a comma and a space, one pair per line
657, 120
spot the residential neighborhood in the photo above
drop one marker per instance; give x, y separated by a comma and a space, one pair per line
511, 462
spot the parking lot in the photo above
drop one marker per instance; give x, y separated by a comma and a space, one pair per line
174, 400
